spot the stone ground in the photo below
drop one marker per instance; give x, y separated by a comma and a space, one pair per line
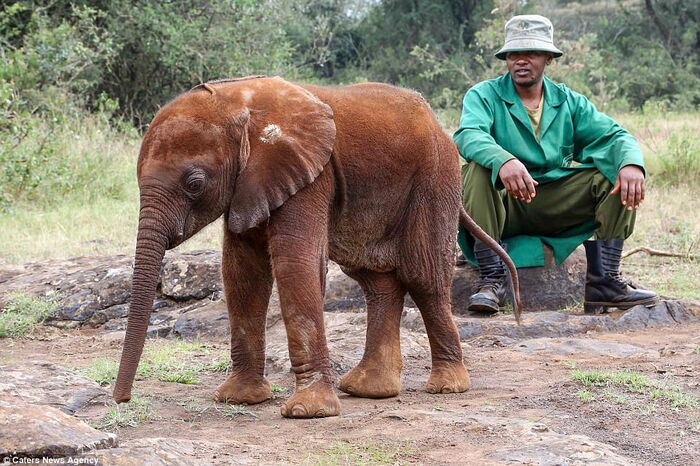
524, 406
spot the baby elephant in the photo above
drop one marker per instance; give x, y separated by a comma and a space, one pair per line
360, 174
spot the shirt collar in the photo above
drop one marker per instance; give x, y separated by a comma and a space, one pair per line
553, 96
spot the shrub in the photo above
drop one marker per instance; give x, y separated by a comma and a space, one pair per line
680, 163
44, 160
23, 313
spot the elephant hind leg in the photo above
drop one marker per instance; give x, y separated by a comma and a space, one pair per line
378, 375
448, 375
247, 278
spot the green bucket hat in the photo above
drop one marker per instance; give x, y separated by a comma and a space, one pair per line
529, 32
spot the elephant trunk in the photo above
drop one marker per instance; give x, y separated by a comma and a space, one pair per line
151, 244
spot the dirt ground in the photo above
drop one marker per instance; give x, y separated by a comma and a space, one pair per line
520, 407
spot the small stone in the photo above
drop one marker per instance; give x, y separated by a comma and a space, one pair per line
538, 427
155, 331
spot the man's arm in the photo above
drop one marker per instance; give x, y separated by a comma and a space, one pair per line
475, 144
614, 151
473, 137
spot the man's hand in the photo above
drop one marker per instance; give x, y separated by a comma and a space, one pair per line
517, 180
630, 185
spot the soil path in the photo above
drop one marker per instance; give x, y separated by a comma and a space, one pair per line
525, 406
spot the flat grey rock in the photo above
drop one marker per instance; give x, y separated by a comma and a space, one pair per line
543, 447
584, 346
208, 320
558, 324
551, 287
30, 430
151, 452
43, 383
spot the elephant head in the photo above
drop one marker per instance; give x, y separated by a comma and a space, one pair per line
237, 148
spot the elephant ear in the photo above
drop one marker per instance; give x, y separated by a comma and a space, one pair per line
285, 143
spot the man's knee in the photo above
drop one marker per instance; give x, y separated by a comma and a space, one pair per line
475, 178
601, 182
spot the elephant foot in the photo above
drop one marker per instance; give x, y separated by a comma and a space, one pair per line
319, 400
371, 382
452, 378
240, 389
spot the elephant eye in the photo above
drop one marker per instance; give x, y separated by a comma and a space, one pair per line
195, 184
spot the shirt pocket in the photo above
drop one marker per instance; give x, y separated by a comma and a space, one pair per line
566, 155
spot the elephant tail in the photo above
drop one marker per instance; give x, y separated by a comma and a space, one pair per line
475, 230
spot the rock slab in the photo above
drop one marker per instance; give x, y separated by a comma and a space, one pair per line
42, 383
96, 290
35, 431
147, 451
559, 324
549, 288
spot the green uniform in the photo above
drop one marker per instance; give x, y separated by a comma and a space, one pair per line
574, 139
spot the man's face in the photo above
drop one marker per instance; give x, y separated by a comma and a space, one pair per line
527, 68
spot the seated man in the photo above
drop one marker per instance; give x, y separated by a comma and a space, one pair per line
544, 165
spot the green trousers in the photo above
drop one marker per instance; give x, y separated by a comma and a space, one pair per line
558, 206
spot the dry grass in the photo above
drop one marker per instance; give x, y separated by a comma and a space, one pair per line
73, 229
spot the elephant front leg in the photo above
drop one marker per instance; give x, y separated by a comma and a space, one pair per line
247, 277
378, 375
299, 264
299, 284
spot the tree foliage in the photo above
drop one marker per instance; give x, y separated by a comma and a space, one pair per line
138, 54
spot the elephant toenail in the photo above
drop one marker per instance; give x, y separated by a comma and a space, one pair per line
299, 411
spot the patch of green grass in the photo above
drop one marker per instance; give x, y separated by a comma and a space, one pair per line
222, 365
696, 350
102, 371
346, 453
277, 388
129, 414
634, 382
185, 376
169, 361
648, 409
615, 397
233, 411
675, 397
195, 405
680, 162
165, 360
23, 313
585, 395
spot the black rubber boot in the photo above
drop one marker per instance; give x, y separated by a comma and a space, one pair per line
605, 285
492, 282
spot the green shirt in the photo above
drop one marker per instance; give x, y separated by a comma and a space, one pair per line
574, 135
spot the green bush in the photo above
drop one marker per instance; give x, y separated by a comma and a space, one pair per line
44, 160
23, 313
680, 163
